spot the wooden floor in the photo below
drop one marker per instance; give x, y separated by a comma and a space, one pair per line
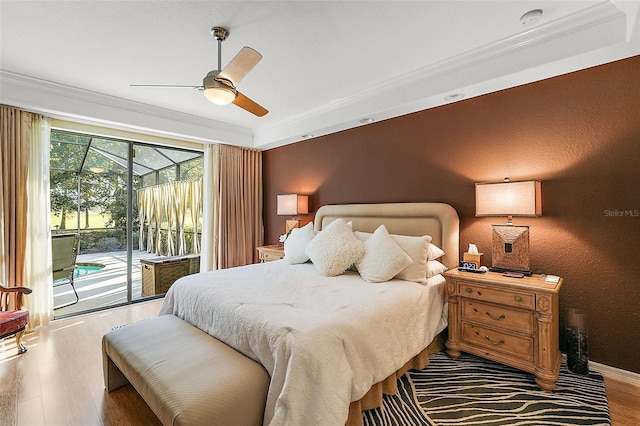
624, 403
59, 380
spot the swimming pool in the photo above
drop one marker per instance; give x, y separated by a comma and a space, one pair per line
83, 269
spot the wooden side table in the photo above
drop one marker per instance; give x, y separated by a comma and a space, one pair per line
513, 321
270, 253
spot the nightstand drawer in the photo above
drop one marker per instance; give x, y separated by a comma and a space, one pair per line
518, 299
520, 347
270, 253
498, 316
269, 256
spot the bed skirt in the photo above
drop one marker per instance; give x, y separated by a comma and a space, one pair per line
389, 386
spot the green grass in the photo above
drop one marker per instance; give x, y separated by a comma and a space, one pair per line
96, 220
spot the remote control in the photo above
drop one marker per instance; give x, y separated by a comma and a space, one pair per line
513, 274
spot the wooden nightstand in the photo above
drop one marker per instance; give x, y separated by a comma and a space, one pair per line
270, 253
513, 321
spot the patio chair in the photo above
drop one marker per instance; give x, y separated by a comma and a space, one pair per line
64, 250
13, 322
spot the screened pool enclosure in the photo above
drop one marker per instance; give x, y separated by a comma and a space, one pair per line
127, 198
89, 183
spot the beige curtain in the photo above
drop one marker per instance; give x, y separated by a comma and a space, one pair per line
14, 148
169, 206
232, 219
210, 201
181, 202
38, 274
158, 213
150, 217
142, 205
195, 208
170, 201
25, 244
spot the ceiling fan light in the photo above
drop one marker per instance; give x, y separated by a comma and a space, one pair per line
220, 95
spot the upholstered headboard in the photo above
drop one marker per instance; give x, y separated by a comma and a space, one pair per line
436, 219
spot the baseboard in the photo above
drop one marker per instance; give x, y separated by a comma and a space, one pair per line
618, 374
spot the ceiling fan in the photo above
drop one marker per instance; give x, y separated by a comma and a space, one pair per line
219, 85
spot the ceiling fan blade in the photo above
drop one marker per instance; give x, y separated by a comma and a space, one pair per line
167, 86
240, 65
247, 104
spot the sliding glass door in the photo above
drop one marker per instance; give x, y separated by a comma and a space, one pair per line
98, 189
168, 213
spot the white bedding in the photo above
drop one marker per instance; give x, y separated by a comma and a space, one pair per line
324, 340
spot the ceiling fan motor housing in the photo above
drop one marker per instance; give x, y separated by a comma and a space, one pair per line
212, 81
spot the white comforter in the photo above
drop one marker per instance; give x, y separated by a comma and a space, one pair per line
324, 340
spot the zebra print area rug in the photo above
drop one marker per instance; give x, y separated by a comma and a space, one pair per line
475, 391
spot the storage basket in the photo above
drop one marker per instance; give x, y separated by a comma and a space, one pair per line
159, 273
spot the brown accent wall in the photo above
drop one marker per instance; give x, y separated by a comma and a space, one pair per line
578, 133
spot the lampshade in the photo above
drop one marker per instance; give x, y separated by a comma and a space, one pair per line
509, 199
293, 204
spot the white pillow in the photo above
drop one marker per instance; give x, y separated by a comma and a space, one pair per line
434, 268
383, 258
437, 280
434, 252
296, 242
416, 248
334, 249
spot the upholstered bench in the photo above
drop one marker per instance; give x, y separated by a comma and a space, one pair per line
186, 376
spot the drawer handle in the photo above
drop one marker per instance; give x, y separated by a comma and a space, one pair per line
501, 317
518, 299
493, 342
469, 290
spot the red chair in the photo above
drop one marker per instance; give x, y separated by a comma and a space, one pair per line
13, 322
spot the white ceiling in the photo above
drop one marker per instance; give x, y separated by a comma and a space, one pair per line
326, 64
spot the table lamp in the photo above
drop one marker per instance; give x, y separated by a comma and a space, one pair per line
510, 251
292, 205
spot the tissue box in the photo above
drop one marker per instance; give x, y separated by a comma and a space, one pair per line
476, 258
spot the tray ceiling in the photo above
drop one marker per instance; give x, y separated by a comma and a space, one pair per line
327, 65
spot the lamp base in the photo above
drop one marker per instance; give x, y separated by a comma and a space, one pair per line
510, 249
290, 224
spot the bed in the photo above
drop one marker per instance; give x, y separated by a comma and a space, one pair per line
331, 344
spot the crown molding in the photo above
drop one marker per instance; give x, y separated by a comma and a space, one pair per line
597, 27
75, 104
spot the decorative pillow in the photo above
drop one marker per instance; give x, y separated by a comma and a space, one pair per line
416, 248
434, 252
383, 258
296, 242
434, 268
334, 249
